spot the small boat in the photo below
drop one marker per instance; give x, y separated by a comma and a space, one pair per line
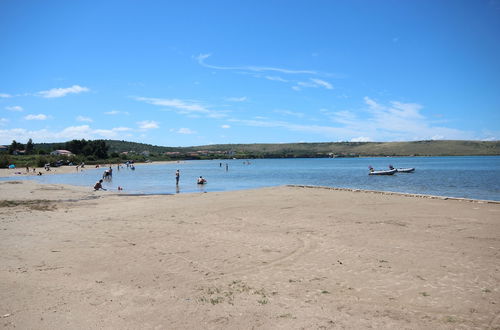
382, 172
406, 170
402, 170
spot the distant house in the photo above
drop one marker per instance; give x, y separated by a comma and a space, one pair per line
4, 148
61, 153
19, 152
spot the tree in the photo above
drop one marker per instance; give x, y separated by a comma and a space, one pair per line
29, 147
76, 146
15, 146
97, 148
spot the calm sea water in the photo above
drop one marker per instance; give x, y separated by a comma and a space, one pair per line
470, 177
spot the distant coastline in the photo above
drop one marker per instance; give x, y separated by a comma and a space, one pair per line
303, 150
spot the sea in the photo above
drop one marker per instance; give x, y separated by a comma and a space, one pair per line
475, 177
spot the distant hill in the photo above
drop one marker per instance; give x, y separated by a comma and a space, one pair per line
325, 149
343, 149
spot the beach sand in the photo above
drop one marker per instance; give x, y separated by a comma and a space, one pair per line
274, 258
21, 171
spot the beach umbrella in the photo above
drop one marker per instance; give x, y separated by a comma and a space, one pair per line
12, 166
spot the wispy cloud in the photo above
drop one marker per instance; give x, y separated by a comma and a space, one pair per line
237, 99
15, 108
60, 92
4, 96
121, 129
290, 113
36, 117
148, 124
191, 108
225, 126
116, 112
183, 130
3, 121
394, 121
174, 103
276, 78
312, 83
202, 57
322, 83
84, 119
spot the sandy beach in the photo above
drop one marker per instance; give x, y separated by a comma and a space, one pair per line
274, 258
21, 171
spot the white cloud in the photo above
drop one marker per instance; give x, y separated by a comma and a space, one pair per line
121, 129
237, 99
312, 83
322, 83
3, 121
361, 139
36, 117
4, 96
183, 130
148, 124
191, 108
60, 92
398, 121
84, 119
290, 113
395, 121
116, 112
225, 126
68, 133
174, 103
275, 78
15, 108
202, 57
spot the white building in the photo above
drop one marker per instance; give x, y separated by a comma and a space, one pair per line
61, 153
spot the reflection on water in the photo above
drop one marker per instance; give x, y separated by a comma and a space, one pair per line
470, 177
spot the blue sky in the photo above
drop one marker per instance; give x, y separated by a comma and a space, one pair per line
184, 73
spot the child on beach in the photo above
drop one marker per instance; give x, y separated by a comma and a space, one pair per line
98, 185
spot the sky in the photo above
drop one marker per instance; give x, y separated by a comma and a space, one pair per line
189, 73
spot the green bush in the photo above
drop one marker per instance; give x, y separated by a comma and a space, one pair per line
4, 161
41, 161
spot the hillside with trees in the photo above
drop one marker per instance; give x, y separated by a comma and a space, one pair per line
114, 151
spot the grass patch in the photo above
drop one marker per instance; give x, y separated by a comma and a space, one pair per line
37, 204
263, 301
450, 319
218, 295
425, 294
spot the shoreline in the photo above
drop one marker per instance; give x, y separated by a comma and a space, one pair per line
382, 192
472, 200
65, 169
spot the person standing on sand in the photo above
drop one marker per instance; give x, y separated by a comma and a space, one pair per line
177, 177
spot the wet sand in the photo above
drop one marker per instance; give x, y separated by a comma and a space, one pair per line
274, 258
